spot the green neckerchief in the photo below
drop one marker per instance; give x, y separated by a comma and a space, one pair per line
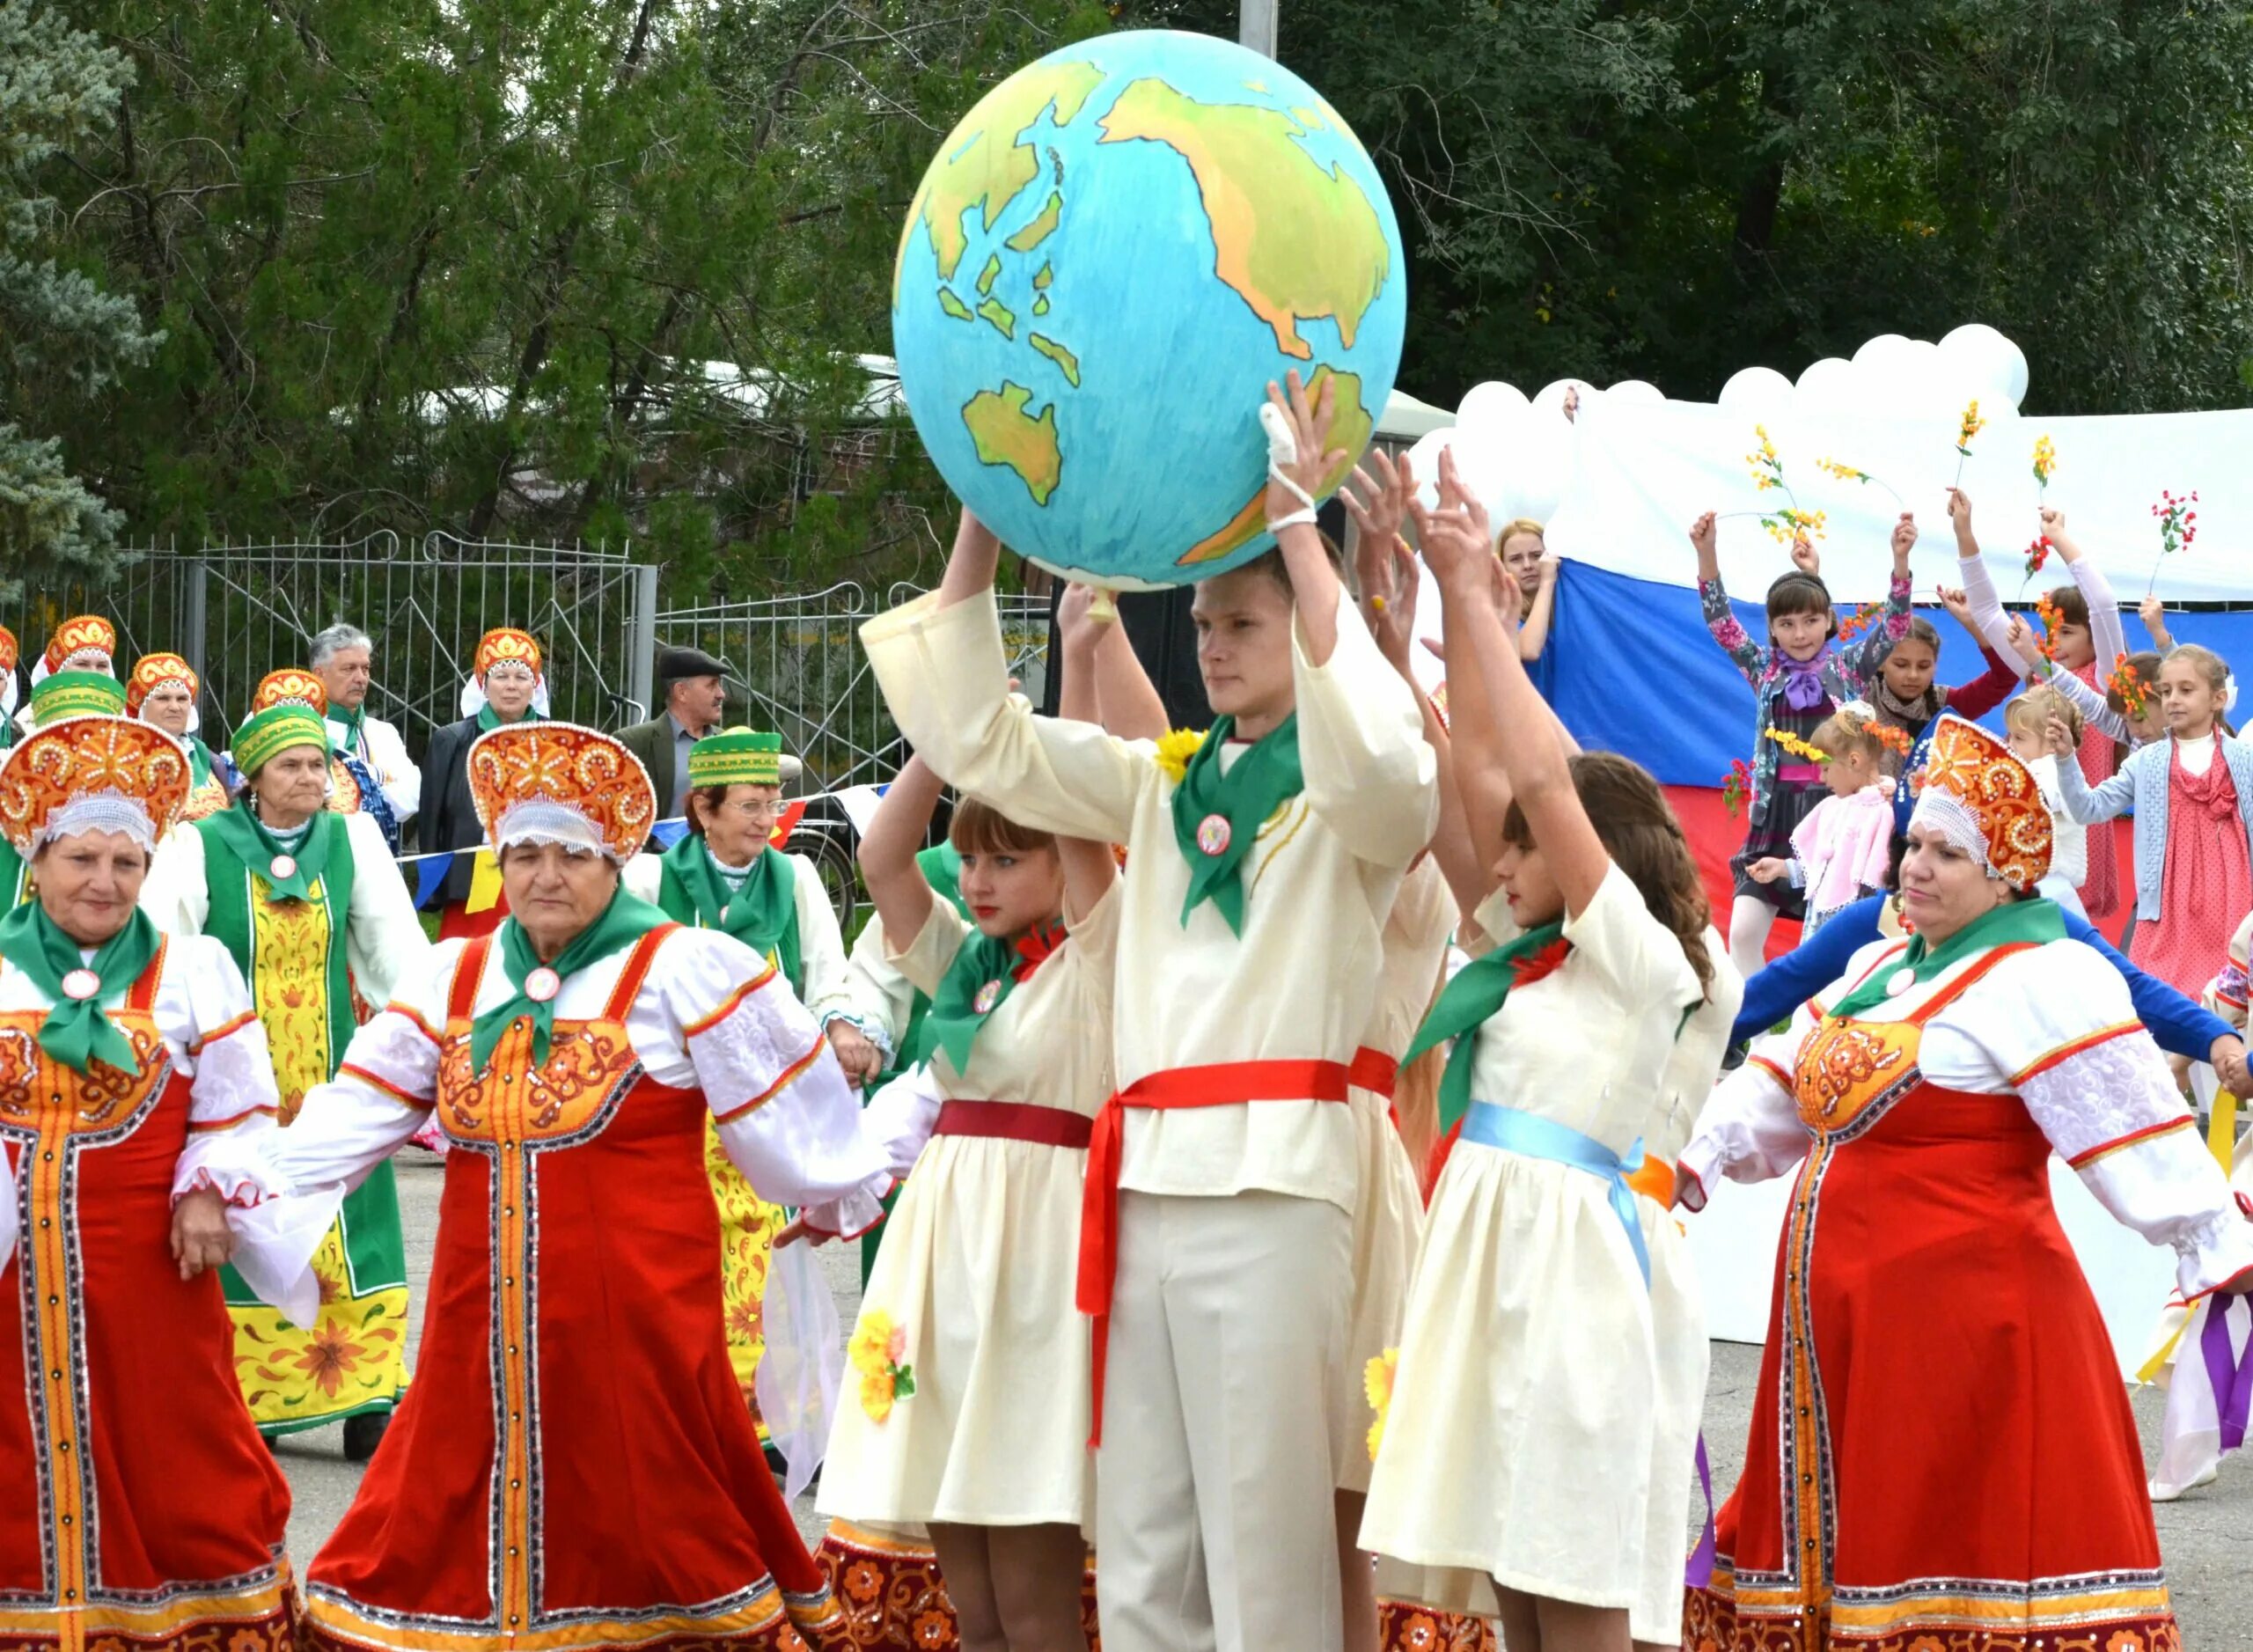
257, 847
199, 762
763, 914
76, 1031
488, 720
354, 722
2035, 921
624, 921
1254, 787
1470, 1001
979, 982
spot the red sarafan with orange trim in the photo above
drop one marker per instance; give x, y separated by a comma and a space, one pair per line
125, 1519
574, 1292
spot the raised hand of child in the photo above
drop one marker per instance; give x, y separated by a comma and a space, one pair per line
1767, 869
1376, 497
1389, 575
2054, 529
1306, 418
1805, 557
1959, 510
1457, 545
1704, 536
1904, 539
2152, 613
2020, 638
2060, 737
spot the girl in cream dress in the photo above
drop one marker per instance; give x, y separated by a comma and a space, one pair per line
968, 1404
1518, 1438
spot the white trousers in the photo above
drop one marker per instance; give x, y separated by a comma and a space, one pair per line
1213, 1517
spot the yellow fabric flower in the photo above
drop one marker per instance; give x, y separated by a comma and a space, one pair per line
1175, 749
876, 1394
871, 1349
1377, 1378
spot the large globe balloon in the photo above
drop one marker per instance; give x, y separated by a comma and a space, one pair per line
1105, 264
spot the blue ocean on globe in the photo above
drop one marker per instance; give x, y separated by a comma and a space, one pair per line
1108, 261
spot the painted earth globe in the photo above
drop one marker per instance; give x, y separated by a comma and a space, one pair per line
1108, 261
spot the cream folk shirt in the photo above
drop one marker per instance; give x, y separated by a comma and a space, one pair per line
1296, 984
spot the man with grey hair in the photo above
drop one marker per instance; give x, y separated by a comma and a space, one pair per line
343, 658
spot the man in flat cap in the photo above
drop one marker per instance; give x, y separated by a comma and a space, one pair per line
688, 681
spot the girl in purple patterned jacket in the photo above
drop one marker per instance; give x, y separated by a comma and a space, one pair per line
1798, 681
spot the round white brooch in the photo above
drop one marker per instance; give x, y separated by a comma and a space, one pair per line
81, 984
542, 985
1213, 834
988, 996
1899, 981
284, 866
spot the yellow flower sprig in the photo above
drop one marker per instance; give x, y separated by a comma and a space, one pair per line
1175, 749
1377, 1378
874, 1352
1844, 472
1791, 524
1798, 747
1767, 468
1971, 425
2045, 462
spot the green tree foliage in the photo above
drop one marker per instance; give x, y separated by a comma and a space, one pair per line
525, 268
1659, 189
62, 338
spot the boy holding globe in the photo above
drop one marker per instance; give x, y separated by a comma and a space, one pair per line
1261, 864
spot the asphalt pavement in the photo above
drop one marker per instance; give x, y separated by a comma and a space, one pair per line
2206, 1537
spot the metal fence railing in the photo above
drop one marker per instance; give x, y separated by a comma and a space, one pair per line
238, 611
796, 664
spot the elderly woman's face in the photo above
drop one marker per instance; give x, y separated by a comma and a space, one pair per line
89, 882
1943, 886
556, 893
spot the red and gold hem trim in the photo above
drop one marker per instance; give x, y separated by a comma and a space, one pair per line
730, 1004
2130, 1617
769, 1621
893, 1597
1405, 1627
225, 1031
258, 1616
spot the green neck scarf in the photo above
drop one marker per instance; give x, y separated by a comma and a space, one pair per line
624, 921
199, 762
980, 981
258, 849
1216, 816
2018, 923
76, 1031
488, 719
763, 914
1473, 998
355, 726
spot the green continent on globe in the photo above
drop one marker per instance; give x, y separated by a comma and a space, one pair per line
954, 306
1000, 316
1296, 239
1006, 434
1349, 430
1057, 354
1041, 228
986, 165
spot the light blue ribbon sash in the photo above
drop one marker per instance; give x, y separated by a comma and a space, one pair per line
1513, 1131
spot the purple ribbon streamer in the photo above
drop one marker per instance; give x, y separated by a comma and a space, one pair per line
1699, 1573
2230, 1378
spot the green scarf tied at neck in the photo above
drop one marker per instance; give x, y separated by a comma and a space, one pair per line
2020, 922
258, 849
488, 719
1217, 816
355, 721
624, 921
77, 1031
1472, 999
763, 914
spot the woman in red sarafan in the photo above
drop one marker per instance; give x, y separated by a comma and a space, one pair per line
137, 1505
1942, 1453
575, 1467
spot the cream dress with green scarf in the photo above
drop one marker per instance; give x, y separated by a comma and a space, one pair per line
341, 917
778, 908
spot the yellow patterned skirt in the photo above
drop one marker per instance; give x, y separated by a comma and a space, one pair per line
748, 1225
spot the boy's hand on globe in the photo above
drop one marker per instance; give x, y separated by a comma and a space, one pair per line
1294, 481
969, 569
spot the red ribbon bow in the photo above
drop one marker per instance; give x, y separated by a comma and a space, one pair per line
1034, 946
1534, 966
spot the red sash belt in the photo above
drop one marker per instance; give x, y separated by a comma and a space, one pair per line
1228, 1084
1013, 1121
1373, 1070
